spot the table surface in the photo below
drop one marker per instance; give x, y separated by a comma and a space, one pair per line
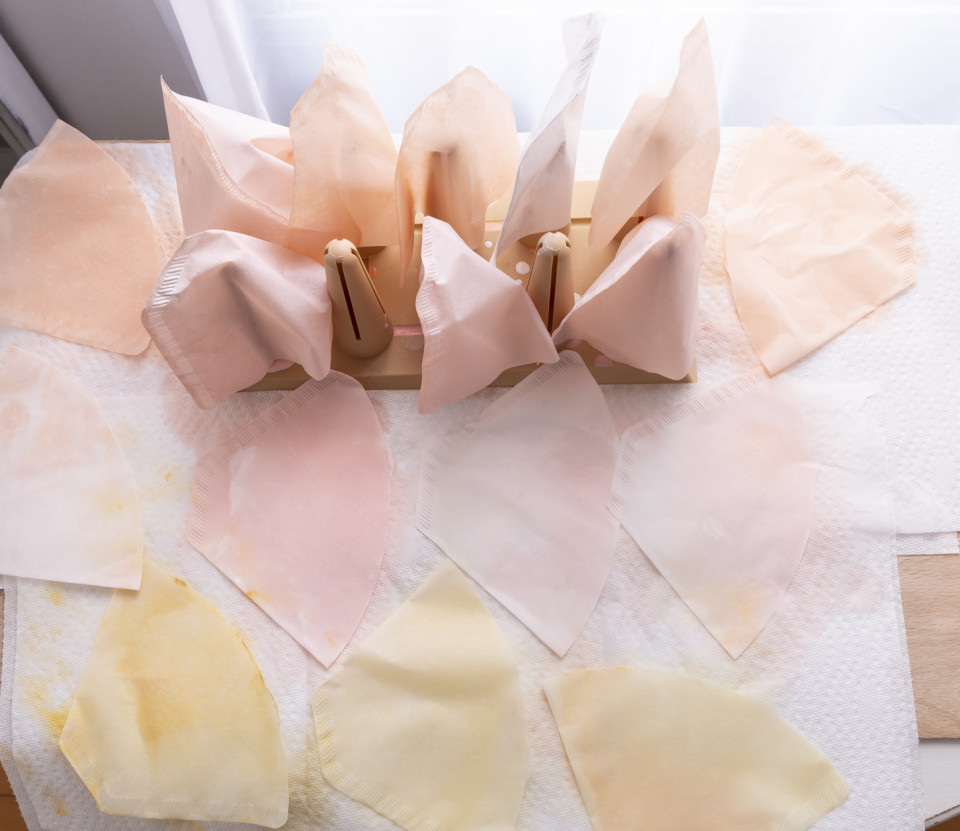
930, 587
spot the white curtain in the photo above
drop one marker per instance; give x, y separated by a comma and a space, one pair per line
812, 63
219, 51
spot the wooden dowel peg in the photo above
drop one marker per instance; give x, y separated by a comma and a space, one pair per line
361, 326
551, 279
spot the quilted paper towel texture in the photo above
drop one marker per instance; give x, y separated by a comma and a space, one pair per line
162, 435
842, 681
907, 344
835, 680
902, 347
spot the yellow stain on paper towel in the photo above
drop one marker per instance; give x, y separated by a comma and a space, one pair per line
37, 697
125, 432
44, 631
105, 498
54, 595
745, 605
29, 771
170, 483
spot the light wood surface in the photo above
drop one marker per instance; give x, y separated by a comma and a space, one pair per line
930, 587
10, 819
399, 365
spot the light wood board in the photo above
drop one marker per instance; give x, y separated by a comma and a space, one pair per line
398, 367
930, 587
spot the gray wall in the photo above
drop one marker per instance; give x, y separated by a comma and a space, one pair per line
7, 160
99, 62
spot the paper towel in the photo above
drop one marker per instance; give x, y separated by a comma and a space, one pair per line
832, 660
906, 347
909, 345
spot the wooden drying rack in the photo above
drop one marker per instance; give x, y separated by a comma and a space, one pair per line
398, 367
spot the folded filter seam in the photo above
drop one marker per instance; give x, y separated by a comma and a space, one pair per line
161, 297
352, 786
232, 187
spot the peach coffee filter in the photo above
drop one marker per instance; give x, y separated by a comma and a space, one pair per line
663, 158
344, 161
711, 758
543, 191
458, 156
80, 251
476, 320
228, 306
811, 246
234, 172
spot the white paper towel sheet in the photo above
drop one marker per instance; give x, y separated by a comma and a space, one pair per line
832, 660
909, 347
